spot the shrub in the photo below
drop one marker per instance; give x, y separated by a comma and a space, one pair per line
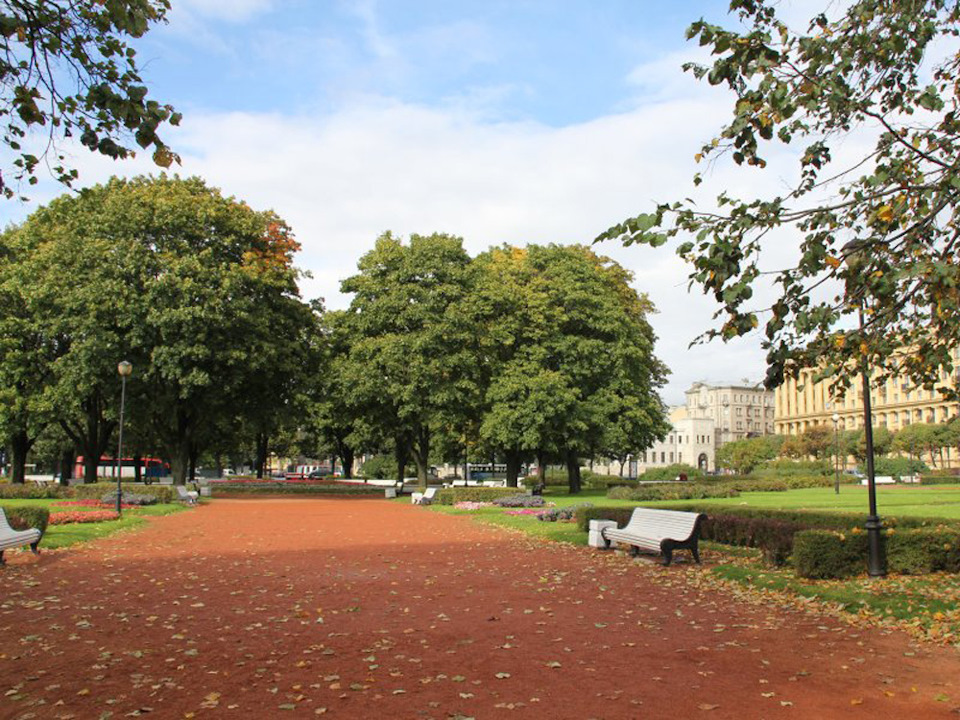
672, 491
382, 467
163, 493
9, 491
520, 501
566, 513
671, 473
281, 488
939, 480
828, 554
24, 518
601, 482
128, 498
449, 496
785, 466
923, 550
898, 466
772, 536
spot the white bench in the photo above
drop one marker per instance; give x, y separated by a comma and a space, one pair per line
188, 496
10, 538
880, 480
660, 531
424, 498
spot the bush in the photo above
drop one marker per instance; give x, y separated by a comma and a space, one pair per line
923, 550
9, 491
69, 517
520, 501
276, 488
383, 467
671, 473
898, 466
772, 536
94, 491
605, 482
128, 498
566, 513
673, 491
939, 480
24, 518
785, 466
449, 496
829, 554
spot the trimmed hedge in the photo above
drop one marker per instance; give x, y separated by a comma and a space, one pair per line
824, 554
24, 518
939, 480
774, 532
267, 488
449, 496
164, 494
672, 491
32, 491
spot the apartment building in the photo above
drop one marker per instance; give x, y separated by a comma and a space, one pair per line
738, 410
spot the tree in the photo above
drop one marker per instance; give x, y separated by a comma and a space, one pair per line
818, 441
853, 442
569, 365
193, 288
67, 68
743, 456
918, 438
412, 362
867, 71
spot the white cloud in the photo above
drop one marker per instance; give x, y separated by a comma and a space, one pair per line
229, 10
342, 179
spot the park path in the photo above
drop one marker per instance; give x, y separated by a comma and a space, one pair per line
366, 608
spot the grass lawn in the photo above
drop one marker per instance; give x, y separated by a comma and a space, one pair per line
59, 536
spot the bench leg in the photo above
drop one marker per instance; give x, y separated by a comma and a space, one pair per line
34, 549
667, 556
696, 554
634, 551
2, 561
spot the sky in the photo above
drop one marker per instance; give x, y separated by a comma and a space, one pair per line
502, 121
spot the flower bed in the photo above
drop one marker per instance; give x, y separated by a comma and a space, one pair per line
82, 516
97, 504
471, 505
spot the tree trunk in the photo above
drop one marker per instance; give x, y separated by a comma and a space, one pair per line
421, 456
622, 463
347, 457
401, 453
513, 467
541, 470
261, 459
67, 460
573, 471
193, 462
20, 444
218, 464
137, 470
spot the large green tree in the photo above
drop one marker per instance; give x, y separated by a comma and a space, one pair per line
412, 365
67, 69
875, 230
195, 289
568, 367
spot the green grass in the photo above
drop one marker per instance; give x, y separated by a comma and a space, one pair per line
60, 536
937, 501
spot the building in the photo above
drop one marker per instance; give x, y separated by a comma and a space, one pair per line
802, 403
690, 442
738, 411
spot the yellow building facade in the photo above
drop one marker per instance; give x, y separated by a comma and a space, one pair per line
802, 403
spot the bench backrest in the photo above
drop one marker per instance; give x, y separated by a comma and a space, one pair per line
4, 524
430, 492
665, 523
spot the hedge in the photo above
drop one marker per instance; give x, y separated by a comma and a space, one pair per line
24, 518
294, 489
939, 480
773, 532
822, 554
449, 496
9, 491
164, 494
672, 491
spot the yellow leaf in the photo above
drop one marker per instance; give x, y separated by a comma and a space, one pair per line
857, 701
832, 261
885, 213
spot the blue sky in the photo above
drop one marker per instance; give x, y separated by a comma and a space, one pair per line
553, 63
502, 122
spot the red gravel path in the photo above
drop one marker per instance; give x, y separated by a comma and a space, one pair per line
366, 608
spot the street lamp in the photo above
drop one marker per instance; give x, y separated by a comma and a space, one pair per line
854, 254
125, 369
836, 454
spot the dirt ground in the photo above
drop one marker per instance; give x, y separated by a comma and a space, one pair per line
367, 608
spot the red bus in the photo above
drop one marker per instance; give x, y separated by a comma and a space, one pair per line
150, 468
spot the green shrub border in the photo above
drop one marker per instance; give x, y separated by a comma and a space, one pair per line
165, 494
222, 489
24, 518
451, 496
32, 491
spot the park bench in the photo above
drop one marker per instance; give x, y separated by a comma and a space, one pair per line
10, 538
188, 496
660, 531
424, 498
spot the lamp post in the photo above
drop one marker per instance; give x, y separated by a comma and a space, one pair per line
854, 254
125, 369
836, 454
